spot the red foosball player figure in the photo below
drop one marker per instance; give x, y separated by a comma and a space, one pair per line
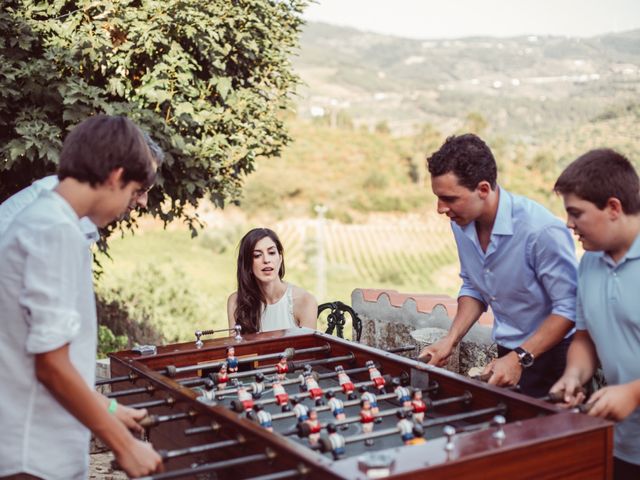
263, 417
366, 419
232, 361
222, 377
281, 396
345, 382
375, 376
336, 442
405, 427
300, 409
402, 393
282, 367
245, 398
314, 427
311, 386
418, 406
373, 401
337, 406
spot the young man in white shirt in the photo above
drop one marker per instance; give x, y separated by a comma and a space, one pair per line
48, 329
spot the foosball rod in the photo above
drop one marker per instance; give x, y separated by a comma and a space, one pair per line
198, 381
210, 467
207, 447
169, 401
292, 381
347, 403
298, 365
499, 410
277, 416
465, 398
172, 370
293, 366
150, 389
289, 353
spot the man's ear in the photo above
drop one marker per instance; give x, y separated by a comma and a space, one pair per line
483, 189
614, 208
114, 180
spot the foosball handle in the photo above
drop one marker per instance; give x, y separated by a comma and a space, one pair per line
449, 432
148, 421
499, 421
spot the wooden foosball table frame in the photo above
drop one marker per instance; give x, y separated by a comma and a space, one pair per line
538, 440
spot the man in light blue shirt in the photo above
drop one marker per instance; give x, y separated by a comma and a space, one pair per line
516, 257
600, 193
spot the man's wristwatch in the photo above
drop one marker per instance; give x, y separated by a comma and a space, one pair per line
526, 358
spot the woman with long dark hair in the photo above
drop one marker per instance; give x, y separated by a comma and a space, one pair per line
263, 301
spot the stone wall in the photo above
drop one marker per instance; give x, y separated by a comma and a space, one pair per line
392, 319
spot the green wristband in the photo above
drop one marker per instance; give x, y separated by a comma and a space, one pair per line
113, 404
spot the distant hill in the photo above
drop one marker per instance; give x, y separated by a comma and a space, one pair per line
528, 87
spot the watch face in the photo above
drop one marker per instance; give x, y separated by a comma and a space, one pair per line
526, 360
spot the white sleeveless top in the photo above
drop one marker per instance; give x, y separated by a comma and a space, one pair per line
279, 316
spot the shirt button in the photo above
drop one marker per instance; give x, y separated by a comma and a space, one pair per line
487, 270
493, 299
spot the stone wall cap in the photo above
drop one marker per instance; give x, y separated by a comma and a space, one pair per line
424, 302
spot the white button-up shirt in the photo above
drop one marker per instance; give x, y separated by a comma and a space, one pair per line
46, 302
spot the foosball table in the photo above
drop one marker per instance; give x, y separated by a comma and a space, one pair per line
302, 404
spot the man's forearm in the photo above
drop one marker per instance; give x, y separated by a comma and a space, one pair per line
469, 310
548, 335
55, 371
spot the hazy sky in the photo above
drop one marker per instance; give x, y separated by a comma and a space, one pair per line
460, 18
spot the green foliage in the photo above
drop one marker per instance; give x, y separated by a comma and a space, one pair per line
167, 282
108, 342
166, 297
207, 79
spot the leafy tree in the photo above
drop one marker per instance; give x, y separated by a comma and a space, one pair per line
207, 79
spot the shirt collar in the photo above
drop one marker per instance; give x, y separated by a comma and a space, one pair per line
632, 254
634, 250
503, 223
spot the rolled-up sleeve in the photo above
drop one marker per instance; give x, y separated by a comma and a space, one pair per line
465, 254
555, 264
467, 290
49, 291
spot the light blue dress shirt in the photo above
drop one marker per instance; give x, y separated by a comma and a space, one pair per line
609, 309
528, 271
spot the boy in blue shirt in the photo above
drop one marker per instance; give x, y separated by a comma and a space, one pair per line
601, 193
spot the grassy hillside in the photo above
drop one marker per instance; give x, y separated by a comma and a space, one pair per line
388, 103
180, 284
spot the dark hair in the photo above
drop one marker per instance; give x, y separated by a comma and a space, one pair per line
103, 143
249, 302
599, 175
468, 158
154, 148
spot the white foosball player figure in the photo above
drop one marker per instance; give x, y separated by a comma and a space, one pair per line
345, 383
375, 376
